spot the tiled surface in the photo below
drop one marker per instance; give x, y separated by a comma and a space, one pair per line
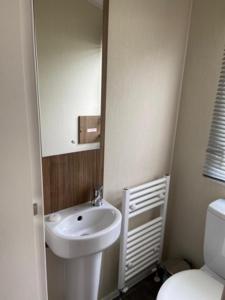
147, 289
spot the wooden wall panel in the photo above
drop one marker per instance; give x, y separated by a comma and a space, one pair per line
104, 82
70, 179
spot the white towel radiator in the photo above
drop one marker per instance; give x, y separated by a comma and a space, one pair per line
141, 248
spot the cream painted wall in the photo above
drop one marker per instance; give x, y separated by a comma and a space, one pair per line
191, 192
22, 250
69, 60
146, 50
147, 41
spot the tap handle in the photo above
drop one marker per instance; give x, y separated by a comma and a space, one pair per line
101, 191
98, 191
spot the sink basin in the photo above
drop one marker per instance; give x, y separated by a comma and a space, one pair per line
79, 235
82, 230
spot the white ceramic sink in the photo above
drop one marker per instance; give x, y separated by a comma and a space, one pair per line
82, 230
79, 234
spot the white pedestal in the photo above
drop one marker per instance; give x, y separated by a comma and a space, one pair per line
82, 277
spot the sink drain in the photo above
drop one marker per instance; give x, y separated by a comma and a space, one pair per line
79, 218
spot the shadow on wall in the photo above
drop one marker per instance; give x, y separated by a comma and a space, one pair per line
191, 192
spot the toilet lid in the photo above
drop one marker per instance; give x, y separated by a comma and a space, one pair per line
192, 284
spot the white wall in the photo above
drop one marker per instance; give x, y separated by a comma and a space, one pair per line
69, 59
191, 192
147, 40
22, 255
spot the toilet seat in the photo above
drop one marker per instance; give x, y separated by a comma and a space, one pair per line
191, 285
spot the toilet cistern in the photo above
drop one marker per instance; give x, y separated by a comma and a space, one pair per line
206, 283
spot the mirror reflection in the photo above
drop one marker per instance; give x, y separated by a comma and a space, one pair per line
69, 54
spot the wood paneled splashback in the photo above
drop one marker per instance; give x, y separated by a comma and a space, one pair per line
70, 179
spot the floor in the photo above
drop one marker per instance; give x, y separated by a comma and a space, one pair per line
147, 289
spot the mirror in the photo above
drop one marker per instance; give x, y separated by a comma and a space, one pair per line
69, 55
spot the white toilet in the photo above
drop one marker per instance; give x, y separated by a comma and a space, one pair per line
208, 282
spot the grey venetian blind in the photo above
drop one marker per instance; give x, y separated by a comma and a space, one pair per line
215, 155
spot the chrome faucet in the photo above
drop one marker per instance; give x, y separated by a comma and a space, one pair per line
97, 201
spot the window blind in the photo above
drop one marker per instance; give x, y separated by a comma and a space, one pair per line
215, 155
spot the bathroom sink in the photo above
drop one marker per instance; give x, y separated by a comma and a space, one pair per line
82, 230
79, 234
